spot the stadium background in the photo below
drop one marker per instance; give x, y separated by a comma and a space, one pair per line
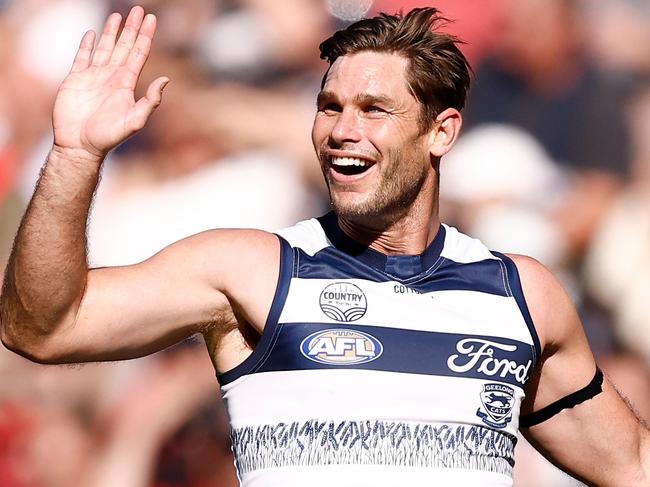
554, 162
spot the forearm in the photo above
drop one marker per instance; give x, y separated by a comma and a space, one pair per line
94, 111
47, 269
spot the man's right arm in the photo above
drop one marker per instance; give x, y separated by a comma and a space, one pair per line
54, 309
126, 312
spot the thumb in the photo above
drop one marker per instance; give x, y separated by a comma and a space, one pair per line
145, 106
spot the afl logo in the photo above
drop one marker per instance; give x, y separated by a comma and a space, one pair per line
343, 301
341, 347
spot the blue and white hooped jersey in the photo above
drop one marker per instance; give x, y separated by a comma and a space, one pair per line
378, 370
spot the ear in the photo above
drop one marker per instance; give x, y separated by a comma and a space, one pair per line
444, 133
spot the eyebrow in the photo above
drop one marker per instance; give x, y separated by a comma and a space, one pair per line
360, 99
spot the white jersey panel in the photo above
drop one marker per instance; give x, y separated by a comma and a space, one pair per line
462, 248
393, 304
308, 235
327, 394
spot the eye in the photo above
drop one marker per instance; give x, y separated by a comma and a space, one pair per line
330, 108
374, 109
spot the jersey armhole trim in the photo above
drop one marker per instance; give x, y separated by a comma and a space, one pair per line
271, 327
514, 282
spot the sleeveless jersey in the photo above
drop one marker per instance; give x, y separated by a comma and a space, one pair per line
378, 370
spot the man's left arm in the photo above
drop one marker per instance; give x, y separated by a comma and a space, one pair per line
594, 436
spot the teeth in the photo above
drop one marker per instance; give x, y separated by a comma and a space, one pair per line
349, 161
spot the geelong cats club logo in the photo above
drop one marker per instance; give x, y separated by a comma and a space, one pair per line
343, 301
497, 402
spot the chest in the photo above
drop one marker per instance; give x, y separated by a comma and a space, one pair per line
392, 326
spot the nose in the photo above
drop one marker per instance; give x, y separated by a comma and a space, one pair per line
346, 128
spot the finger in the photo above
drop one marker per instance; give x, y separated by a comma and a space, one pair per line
140, 51
145, 106
107, 40
82, 58
128, 35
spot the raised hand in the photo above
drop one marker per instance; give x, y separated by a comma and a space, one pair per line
95, 108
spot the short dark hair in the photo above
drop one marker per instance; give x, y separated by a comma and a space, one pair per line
438, 73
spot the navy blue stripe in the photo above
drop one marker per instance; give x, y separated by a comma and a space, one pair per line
515, 285
400, 266
412, 351
271, 327
483, 276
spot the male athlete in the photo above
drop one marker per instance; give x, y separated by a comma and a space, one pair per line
373, 346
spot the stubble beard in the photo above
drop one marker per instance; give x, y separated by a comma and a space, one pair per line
395, 191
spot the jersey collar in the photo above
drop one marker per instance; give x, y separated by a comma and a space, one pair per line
401, 266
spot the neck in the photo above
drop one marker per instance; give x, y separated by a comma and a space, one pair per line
405, 231
410, 235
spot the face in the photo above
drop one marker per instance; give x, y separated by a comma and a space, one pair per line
367, 138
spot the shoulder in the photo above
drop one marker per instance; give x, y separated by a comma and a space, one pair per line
225, 243
308, 235
535, 277
222, 254
550, 306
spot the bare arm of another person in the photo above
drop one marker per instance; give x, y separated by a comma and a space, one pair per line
53, 308
599, 440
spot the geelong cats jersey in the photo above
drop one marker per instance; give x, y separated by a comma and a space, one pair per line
378, 370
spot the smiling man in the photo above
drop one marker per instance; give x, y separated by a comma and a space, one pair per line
368, 136
373, 346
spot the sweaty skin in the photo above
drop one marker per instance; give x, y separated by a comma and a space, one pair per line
381, 169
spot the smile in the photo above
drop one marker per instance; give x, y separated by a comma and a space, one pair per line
350, 166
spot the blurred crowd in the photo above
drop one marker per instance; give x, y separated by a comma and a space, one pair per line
554, 162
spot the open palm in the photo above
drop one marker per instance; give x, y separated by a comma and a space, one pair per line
95, 109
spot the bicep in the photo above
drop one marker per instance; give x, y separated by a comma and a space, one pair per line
131, 311
597, 440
